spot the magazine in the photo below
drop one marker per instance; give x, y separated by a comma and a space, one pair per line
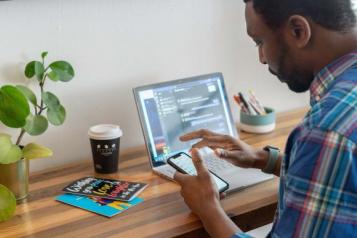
102, 206
105, 188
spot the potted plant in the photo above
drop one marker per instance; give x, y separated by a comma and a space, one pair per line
21, 108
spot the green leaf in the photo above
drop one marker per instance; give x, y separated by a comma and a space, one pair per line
56, 117
5, 146
13, 155
7, 203
30, 69
14, 107
35, 151
44, 54
63, 69
28, 94
4, 135
9, 153
34, 68
53, 76
51, 100
36, 125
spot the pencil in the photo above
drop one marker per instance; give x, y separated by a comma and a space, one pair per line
257, 103
246, 104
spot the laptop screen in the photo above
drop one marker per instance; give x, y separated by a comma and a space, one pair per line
170, 109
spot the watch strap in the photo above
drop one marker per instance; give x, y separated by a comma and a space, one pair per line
272, 160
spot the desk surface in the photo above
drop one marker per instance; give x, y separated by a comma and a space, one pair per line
162, 214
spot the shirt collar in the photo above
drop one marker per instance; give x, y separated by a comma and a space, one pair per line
320, 85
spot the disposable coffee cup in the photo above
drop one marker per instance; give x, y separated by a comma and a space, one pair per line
105, 144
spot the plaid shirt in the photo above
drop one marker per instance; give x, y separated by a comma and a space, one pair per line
318, 181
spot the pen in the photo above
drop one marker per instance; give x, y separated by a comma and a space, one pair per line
236, 99
240, 104
255, 107
246, 104
256, 102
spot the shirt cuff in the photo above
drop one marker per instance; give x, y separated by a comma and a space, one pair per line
241, 235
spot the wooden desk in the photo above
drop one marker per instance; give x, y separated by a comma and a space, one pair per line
162, 214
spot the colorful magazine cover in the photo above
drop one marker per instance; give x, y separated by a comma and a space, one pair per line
102, 206
105, 188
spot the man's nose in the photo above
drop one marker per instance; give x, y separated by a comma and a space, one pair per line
261, 56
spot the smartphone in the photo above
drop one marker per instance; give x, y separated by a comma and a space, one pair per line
182, 162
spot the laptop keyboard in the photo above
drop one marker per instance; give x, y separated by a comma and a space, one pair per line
216, 164
168, 171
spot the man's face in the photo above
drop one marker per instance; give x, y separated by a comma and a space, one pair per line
282, 59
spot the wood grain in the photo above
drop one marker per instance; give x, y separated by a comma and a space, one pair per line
162, 214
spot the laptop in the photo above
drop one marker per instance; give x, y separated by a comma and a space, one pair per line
170, 109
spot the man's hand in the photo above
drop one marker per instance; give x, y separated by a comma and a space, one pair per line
199, 192
201, 195
229, 148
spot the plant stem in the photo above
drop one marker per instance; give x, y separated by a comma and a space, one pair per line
20, 136
42, 83
41, 107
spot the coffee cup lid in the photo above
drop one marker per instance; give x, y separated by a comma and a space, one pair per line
105, 132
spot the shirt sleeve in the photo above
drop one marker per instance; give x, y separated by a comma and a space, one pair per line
320, 194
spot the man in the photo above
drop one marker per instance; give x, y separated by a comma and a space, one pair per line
309, 45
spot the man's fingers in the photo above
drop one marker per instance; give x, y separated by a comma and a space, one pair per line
221, 138
190, 136
180, 178
216, 141
222, 196
197, 134
198, 163
231, 142
226, 154
204, 143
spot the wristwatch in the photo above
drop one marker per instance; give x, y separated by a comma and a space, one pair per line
272, 160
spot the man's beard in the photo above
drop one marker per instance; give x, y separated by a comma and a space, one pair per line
297, 80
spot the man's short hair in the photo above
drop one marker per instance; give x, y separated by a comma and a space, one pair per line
336, 15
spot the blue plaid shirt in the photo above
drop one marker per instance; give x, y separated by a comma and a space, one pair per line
318, 180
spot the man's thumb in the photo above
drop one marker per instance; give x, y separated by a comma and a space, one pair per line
198, 162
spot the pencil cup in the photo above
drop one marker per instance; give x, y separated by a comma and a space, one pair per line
259, 124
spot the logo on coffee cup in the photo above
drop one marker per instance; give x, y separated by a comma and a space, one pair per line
107, 150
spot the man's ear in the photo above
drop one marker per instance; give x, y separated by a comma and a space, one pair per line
299, 30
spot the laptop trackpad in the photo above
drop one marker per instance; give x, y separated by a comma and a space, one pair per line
243, 177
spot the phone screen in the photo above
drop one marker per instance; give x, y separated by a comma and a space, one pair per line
183, 163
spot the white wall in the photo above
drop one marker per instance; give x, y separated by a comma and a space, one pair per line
116, 45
